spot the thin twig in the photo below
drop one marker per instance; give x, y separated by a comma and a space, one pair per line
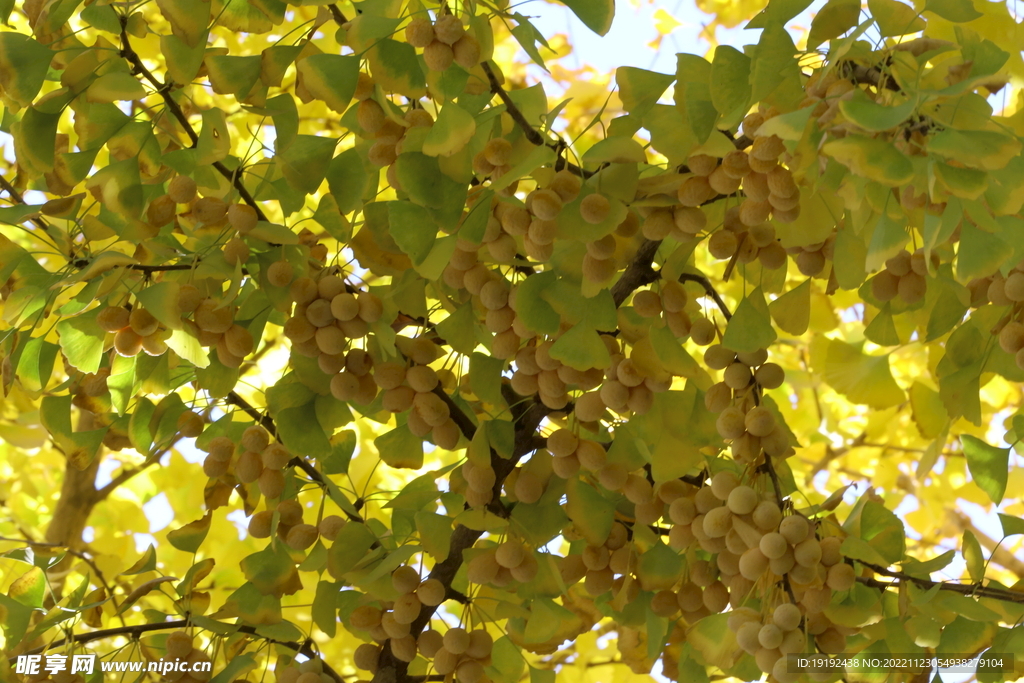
970, 590
164, 89
531, 133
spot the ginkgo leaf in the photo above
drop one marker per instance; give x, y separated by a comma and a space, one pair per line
750, 328
871, 158
451, 131
895, 18
861, 378
988, 466
792, 311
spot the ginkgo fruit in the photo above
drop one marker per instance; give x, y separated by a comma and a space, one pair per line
419, 32
595, 208
182, 189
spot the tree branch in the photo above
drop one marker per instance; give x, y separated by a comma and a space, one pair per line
164, 89
970, 590
531, 133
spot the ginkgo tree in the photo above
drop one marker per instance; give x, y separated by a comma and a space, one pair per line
444, 379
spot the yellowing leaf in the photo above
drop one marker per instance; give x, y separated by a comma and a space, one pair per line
451, 131
750, 328
330, 78
871, 158
792, 311
973, 556
188, 538
895, 18
835, 18
861, 378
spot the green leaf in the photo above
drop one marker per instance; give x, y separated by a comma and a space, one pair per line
188, 348
659, 567
81, 341
773, 61
325, 607
581, 348
871, 158
349, 548
30, 588
792, 311
1012, 526
230, 75
750, 328
188, 19
459, 329
861, 378
965, 636
183, 61
451, 131
833, 20
485, 378
957, 11
895, 18
980, 253
591, 512
189, 537
305, 162
597, 15
536, 313
988, 466
161, 299
23, 66
986, 150
36, 363
301, 432
330, 78
435, 534
507, 662
115, 86
872, 116
616, 150
882, 330
396, 68
672, 354
400, 448
214, 138
730, 84
35, 140
412, 228
640, 89
973, 556
271, 570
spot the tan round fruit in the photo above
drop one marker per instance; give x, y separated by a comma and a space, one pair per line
182, 189
595, 208
301, 536
242, 217
438, 56
419, 32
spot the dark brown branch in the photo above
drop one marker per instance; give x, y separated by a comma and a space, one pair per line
531, 133
136, 630
262, 419
638, 273
164, 89
339, 18
460, 418
709, 289
970, 590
